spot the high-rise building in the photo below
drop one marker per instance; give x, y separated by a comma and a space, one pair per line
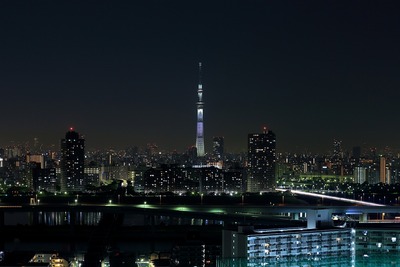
37, 159
200, 116
43, 179
337, 149
72, 162
383, 171
261, 161
360, 175
218, 147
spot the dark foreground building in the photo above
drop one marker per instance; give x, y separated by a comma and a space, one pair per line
261, 161
72, 162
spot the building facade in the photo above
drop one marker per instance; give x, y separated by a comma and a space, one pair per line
261, 161
72, 162
270, 246
218, 147
360, 175
381, 240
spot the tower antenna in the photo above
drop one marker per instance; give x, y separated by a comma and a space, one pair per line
199, 72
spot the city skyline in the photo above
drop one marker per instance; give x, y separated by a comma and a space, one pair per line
35, 145
125, 73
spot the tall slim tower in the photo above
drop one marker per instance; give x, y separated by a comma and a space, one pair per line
200, 115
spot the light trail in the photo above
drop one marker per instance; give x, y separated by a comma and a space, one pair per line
365, 203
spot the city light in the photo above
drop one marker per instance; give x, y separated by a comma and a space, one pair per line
332, 197
112, 150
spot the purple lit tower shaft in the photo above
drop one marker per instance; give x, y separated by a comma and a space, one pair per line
200, 114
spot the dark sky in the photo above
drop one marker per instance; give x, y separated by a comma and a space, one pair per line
125, 72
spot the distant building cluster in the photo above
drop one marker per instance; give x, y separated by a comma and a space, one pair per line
72, 168
150, 170
306, 170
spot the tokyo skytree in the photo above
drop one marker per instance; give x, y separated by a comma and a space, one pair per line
200, 116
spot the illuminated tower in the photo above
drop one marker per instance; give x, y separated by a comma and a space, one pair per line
72, 162
200, 115
261, 161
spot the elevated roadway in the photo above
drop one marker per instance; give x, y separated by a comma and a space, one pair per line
226, 213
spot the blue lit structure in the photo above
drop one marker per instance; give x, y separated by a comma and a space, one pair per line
200, 116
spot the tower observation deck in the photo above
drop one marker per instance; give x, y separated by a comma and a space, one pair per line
200, 117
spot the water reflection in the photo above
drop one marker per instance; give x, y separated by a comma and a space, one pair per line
66, 218
93, 219
136, 219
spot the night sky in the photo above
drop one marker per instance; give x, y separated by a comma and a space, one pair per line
125, 73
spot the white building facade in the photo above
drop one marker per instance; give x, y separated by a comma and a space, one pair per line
263, 247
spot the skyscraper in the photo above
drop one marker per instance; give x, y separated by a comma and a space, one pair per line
360, 174
337, 149
72, 162
384, 173
200, 113
218, 147
261, 161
